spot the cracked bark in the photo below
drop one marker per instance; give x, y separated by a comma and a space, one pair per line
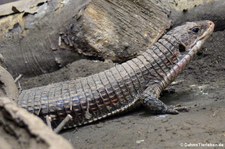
20, 129
57, 32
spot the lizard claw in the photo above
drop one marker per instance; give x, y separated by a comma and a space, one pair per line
178, 108
175, 109
181, 108
171, 111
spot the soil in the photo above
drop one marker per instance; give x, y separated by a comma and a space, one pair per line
201, 88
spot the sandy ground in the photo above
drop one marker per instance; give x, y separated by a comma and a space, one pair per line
201, 88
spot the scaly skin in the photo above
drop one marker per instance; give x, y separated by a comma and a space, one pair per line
136, 81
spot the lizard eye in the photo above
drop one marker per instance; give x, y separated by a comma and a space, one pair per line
195, 30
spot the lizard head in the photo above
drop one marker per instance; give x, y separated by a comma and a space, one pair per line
189, 34
189, 39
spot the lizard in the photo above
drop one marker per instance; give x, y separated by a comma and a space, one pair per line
138, 81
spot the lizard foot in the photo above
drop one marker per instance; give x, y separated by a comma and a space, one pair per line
180, 108
175, 109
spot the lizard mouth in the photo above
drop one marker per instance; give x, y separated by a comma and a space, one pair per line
208, 32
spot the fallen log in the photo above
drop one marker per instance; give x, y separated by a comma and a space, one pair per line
8, 87
54, 33
22, 130
30, 41
48, 35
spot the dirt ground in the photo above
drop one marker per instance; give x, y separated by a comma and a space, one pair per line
201, 88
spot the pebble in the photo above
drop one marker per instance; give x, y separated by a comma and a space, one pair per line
99, 125
139, 141
185, 128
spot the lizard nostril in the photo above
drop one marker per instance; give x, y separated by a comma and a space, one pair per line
211, 24
182, 48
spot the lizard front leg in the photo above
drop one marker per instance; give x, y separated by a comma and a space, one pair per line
150, 100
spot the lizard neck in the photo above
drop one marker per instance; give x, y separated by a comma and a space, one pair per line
156, 63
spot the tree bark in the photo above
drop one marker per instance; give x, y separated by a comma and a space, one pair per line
52, 35
118, 30
8, 87
30, 41
21, 129
48, 35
